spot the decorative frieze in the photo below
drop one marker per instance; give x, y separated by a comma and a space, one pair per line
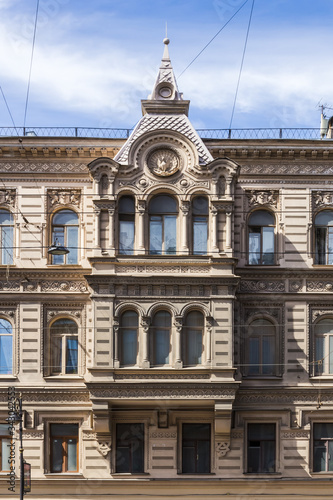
28, 167
163, 435
266, 198
63, 197
63, 286
295, 286
263, 286
171, 392
296, 434
162, 269
319, 286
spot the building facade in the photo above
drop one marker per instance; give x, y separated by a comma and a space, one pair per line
183, 345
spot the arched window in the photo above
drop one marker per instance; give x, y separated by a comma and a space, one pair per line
64, 347
261, 238
260, 348
128, 338
200, 225
6, 347
126, 214
163, 211
7, 236
324, 237
192, 338
160, 338
324, 347
65, 232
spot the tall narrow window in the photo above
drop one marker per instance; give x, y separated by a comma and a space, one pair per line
324, 347
163, 213
4, 448
65, 232
192, 338
64, 347
6, 347
130, 448
128, 338
196, 448
261, 348
261, 448
261, 238
126, 213
64, 447
324, 237
200, 225
323, 447
7, 237
160, 338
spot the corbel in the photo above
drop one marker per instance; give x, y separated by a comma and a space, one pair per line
222, 422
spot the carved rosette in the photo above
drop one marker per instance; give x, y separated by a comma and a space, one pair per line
163, 162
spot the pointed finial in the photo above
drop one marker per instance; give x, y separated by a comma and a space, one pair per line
166, 41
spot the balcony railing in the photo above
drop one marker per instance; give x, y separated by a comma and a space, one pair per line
123, 133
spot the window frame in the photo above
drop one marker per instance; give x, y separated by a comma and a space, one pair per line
181, 447
120, 338
163, 216
185, 340
11, 373
326, 255
64, 448
54, 237
195, 216
312, 447
152, 339
261, 226
145, 449
276, 449
4, 436
276, 370
64, 336
126, 216
327, 336
5, 248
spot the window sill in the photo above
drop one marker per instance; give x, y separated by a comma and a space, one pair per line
130, 474
8, 377
64, 377
56, 475
196, 474
262, 474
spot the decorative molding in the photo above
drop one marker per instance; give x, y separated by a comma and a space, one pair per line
31, 434
164, 162
304, 397
263, 286
10, 285
63, 286
163, 435
319, 286
65, 197
287, 169
264, 198
222, 448
46, 168
104, 447
322, 198
89, 435
295, 285
239, 434
50, 396
316, 313
163, 269
7, 197
75, 313
161, 376
296, 434
200, 391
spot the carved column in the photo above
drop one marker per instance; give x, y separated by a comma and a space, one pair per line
141, 226
145, 323
209, 327
228, 231
116, 341
111, 211
185, 208
179, 326
97, 212
214, 225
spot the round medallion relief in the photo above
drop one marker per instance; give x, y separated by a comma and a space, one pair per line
163, 162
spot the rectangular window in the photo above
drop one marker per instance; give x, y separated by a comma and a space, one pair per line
200, 235
64, 447
4, 448
323, 447
126, 235
196, 448
130, 448
261, 439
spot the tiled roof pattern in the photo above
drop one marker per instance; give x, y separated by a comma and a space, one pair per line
177, 123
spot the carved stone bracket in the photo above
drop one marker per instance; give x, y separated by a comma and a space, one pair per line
222, 448
104, 447
223, 412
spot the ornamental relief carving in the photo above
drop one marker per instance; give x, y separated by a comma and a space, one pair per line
8, 312
7, 197
50, 314
63, 286
262, 286
316, 313
63, 197
269, 198
287, 169
295, 285
295, 434
319, 286
163, 435
222, 448
12, 286
322, 198
104, 448
164, 162
171, 393
44, 167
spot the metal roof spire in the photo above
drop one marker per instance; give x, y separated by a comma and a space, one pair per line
165, 87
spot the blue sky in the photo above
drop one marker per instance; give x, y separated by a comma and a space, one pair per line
95, 60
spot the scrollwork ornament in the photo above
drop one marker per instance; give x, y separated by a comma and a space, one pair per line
104, 447
222, 448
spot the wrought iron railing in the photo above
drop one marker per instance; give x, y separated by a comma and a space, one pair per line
123, 133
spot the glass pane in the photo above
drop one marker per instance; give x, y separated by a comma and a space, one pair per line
200, 205
72, 244
319, 365
170, 234
261, 218
253, 369
253, 457
6, 218
323, 431
163, 204
57, 455
330, 246
58, 238
162, 346
330, 455
129, 318
155, 232
6, 354
56, 355
203, 456
319, 457
5, 453
126, 205
268, 458
72, 355
195, 318
320, 237
4, 431
188, 458
72, 455
64, 217
324, 218
268, 245
123, 459
268, 348
7, 244
194, 347
63, 325
126, 237
163, 319
261, 431
63, 430
129, 347
254, 246
200, 235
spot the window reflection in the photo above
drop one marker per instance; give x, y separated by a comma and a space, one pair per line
163, 211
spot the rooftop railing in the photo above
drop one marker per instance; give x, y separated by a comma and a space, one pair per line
123, 133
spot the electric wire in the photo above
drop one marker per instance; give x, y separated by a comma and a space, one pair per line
196, 57
241, 66
8, 109
31, 61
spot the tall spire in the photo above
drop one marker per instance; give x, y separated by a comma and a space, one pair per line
165, 93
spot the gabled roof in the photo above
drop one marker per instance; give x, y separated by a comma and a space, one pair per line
165, 109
